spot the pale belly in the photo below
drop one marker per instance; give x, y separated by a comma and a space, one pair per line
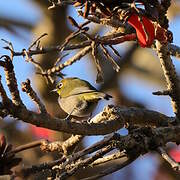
72, 105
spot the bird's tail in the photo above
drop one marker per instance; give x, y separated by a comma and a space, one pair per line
102, 95
107, 96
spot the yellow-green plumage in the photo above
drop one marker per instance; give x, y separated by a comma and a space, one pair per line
78, 97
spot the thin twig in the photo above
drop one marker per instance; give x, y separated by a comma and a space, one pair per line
69, 62
112, 169
115, 51
26, 146
108, 158
137, 142
105, 21
162, 93
99, 77
84, 163
26, 87
37, 40
9, 47
174, 50
88, 150
109, 57
27, 171
30, 59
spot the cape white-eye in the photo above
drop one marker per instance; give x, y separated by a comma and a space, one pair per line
78, 97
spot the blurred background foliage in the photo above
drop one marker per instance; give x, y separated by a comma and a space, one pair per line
23, 21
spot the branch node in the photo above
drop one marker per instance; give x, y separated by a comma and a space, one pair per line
26, 87
162, 93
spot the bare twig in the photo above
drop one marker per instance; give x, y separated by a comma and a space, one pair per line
88, 150
109, 57
108, 158
174, 50
6, 102
69, 62
99, 77
37, 40
30, 59
26, 87
162, 93
84, 163
113, 22
59, 59
139, 141
27, 171
74, 35
60, 3
26, 146
170, 75
9, 47
47, 166
60, 146
12, 82
3, 95
115, 51
112, 169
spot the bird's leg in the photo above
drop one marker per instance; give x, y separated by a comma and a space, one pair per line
89, 119
68, 116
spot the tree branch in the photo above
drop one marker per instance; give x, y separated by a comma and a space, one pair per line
108, 121
170, 75
138, 142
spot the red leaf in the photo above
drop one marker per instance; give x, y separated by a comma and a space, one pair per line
39, 132
2, 143
175, 154
144, 29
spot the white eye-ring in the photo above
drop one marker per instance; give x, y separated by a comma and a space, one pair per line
60, 85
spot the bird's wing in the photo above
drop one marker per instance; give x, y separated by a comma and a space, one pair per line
81, 90
89, 94
95, 96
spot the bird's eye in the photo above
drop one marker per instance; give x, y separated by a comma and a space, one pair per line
60, 85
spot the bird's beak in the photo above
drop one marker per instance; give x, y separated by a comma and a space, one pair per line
54, 90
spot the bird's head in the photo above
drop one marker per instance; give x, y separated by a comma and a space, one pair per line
68, 86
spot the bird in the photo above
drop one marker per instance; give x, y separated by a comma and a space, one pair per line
78, 97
